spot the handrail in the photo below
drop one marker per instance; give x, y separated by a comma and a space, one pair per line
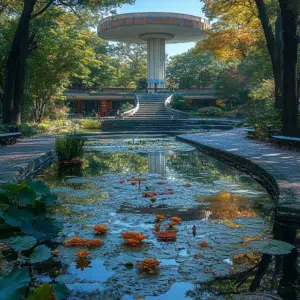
174, 111
135, 109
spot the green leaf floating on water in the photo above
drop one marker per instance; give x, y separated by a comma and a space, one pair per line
42, 292
39, 254
39, 187
14, 285
27, 196
60, 291
21, 243
272, 247
49, 199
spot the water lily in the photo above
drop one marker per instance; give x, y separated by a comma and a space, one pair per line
153, 198
203, 245
166, 236
133, 242
122, 180
133, 182
77, 241
159, 217
55, 252
160, 183
83, 253
188, 185
157, 227
100, 229
176, 220
148, 264
133, 235
82, 263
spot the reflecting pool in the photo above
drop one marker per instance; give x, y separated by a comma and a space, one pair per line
223, 244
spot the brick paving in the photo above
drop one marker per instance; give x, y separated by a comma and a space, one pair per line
17, 160
283, 165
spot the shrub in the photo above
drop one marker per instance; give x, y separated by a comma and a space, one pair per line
210, 111
90, 124
27, 129
4, 128
70, 146
126, 106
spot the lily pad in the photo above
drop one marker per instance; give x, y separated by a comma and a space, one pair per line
39, 254
21, 243
26, 196
272, 247
60, 291
14, 285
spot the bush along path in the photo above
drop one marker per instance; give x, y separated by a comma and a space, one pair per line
277, 169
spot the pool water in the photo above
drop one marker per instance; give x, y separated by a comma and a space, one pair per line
226, 208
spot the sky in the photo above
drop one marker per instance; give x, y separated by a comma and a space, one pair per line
192, 7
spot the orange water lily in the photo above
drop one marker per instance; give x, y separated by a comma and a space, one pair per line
133, 235
140, 179
203, 245
133, 242
187, 185
159, 217
176, 219
122, 180
100, 229
166, 236
77, 241
133, 182
83, 253
160, 183
82, 263
148, 264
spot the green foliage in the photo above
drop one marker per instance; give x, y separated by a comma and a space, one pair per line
27, 129
126, 106
22, 209
70, 146
180, 105
187, 70
14, 285
90, 124
21, 243
210, 111
39, 254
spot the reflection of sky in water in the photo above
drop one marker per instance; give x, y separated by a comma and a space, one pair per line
202, 204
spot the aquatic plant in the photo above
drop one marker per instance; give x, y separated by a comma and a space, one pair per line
159, 217
153, 198
133, 235
176, 220
55, 252
82, 253
100, 229
83, 263
148, 264
76, 241
188, 185
203, 245
160, 183
133, 182
122, 180
133, 242
166, 236
70, 147
157, 227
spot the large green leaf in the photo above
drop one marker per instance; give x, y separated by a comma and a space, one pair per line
39, 187
49, 199
60, 291
21, 243
272, 247
39, 254
12, 217
43, 292
27, 196
14, 286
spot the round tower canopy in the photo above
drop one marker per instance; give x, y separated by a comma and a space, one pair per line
140, 27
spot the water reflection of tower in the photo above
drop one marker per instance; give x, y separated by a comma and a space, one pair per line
157, 163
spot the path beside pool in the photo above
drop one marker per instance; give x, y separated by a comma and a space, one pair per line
277, 169
28, 154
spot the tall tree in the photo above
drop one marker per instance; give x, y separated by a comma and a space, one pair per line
290, 20
14, 79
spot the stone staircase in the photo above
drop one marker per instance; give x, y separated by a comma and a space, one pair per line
152, 107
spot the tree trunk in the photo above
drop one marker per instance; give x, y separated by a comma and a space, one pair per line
14, 78
274, 45
290, 13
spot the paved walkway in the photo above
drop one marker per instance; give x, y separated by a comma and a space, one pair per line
281, 164
16, 161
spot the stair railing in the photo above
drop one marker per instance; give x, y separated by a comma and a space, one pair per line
178, 113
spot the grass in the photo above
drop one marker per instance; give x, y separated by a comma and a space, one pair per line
70, 146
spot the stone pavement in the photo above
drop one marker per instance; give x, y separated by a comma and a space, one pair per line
253, 157
19, 160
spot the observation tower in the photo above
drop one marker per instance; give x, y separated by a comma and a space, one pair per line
156, 29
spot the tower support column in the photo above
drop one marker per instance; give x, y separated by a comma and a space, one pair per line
156, 59
156, 63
